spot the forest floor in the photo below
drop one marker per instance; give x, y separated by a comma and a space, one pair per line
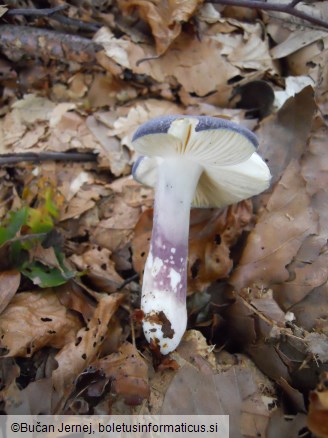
76, 81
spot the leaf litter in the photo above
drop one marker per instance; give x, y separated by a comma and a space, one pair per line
74, 246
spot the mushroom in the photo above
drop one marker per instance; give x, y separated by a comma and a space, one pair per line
192, 161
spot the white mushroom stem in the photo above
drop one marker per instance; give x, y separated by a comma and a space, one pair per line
163, 299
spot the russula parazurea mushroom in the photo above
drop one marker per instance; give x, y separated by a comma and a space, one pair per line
192, 162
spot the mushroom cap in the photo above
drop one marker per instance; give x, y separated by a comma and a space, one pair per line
232, 170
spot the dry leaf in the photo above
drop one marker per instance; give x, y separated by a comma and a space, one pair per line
286, 426
282, 136
100, 269
278, 234
116, 155
318, 409
78, 353
192, 63
127, 371
236, 392
9, 283
318, 345
164, 19
34, 320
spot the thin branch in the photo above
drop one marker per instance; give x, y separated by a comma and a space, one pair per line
36, 12
7, 159
53, 14
286, 9
127, 281
82, 25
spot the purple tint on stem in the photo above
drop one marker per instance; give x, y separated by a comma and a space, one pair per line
172, 276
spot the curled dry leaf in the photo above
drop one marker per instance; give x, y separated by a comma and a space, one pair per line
99, 268
9, 283
34, 320
212, 234
318, 346
164, 19
117, 157
282, 136
127, 372
72, 297
78, 353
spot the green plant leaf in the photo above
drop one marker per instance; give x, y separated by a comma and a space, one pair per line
13, 224
44, 276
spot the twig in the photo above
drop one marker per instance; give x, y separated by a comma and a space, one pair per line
18, 42
286, 9
83, 25
268, 320
36, 12
46, 156
52, 13
127, 281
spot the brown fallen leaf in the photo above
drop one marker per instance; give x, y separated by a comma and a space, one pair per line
35, 399
99, 268
280, 230
78, 353
34, 320
128, 373
318, 408
191, 63
282, 136
9, 283
239, 392
72, 297
286, 426
164, 19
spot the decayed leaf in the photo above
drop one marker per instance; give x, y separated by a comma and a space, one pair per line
34, 320
10, 393
192, 63
9, 283
236, 392
36, 399
117, 156
286, 426
100, 269
127, 371
297, 40
72, 297
318, 409
278, 234
115, 229
165, 19
192, 349
283, 136
318, 345
78, 353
